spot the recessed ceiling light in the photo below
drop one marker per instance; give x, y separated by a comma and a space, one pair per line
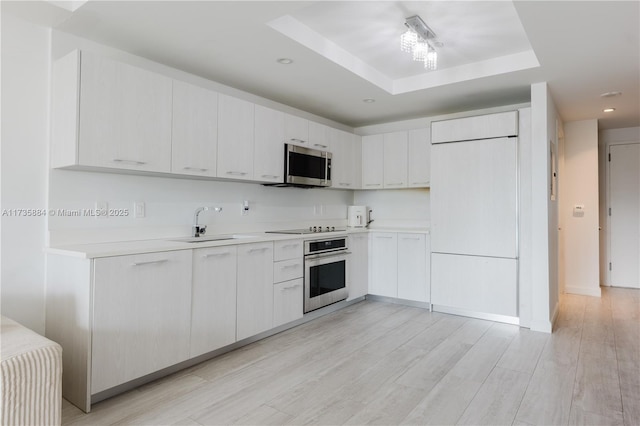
610, 94
609, 109
368, 101
285, 61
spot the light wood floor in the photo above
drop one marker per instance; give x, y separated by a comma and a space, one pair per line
389, 364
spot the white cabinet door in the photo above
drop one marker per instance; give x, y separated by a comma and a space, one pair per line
419, 159
343, 162
125, 116
141, 316
372, 162
412, 267
474, 197
235, 138
255, 289
395, 160
358, 265
269, 145
296, 130
288, 301
288, 249
213, 306
318, 136
384, 264
194, 132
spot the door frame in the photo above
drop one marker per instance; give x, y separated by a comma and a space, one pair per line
606, 188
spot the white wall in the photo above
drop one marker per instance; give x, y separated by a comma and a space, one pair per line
25, 130
170, 204
580, 187
397, 207
544, 243
606, 138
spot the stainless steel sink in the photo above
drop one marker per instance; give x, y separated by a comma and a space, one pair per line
211, 238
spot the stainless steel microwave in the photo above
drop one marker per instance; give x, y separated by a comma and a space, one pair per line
306, 167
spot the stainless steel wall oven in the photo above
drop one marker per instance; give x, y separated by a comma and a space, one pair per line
326, 263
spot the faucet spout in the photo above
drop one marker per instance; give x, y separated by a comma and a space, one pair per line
199, 230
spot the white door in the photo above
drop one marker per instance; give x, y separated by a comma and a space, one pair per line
624, 190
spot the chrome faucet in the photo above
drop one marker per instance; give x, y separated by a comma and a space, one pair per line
199, 230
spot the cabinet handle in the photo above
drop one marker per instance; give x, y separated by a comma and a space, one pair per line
289, 287
226, 253
198, 169
134, 162
297, 140
236, 173
254, 250
411, 238
419, 183
290, 245
149, 262
394, 183
371, 184
383, 237
270, 176
290, 266
344, 184
319, 145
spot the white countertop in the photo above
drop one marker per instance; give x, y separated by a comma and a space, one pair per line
95, 250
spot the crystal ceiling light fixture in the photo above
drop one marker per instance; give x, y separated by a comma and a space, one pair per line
419, 40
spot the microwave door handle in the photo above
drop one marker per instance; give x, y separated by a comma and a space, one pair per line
326, 166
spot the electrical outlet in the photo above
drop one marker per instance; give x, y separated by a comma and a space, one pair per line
139, 209
245, 208
102, 209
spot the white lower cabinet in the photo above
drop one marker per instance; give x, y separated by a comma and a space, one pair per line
400, 266
255, 289
384, 264
213, 307
288, 287
413, 267
287, 301
141, 316
358, 265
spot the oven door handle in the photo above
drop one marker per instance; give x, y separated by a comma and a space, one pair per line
324, 256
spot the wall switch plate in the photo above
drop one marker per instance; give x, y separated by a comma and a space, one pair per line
138, 209
102, 209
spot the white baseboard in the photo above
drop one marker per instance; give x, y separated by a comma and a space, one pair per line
595, 292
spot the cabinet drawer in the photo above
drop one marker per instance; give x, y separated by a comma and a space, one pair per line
287, 301
285, 250
287, 270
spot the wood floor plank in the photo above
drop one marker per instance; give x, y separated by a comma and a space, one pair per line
597, 387
389, 406
445, 403
498, 399
579, 417
524, 351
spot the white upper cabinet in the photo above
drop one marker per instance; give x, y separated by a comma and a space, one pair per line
487, 126
318, 136
296, 130
110, 114
344, 162
194, 131
269, 145
419, 159
235, 138
395, 160
372, 162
